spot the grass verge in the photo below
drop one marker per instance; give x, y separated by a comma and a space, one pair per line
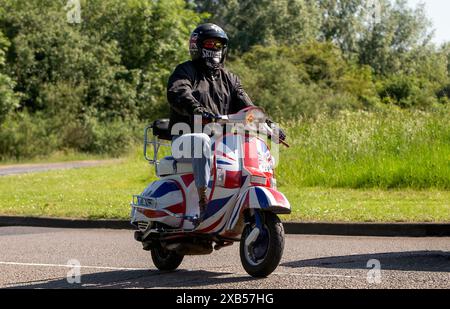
105, 192
389, 166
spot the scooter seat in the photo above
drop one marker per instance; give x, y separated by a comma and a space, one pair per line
169, 166
161, 129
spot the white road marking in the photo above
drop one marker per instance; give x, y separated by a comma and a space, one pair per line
314, 275
289, 274
70, 266
188, 270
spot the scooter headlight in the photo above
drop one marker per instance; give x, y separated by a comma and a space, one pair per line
255, 116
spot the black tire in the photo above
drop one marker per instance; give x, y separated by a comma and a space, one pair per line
166, 260
272, 258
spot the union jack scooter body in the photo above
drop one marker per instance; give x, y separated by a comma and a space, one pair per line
242, 191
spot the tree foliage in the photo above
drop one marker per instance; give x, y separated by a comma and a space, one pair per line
8, 99
342, 23
305, 80
80, 78
385, 40
264, 22
85, 85
387, 45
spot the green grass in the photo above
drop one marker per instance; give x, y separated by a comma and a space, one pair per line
97, 192
360, 167
368, 205
105, 192
387, 150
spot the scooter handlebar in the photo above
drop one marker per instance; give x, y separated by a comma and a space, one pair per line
224, 119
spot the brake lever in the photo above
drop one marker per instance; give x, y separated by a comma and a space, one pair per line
285, 144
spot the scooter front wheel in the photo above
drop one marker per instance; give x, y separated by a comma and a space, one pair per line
166, 260
261, 250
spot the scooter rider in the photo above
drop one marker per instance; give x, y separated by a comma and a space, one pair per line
202, 87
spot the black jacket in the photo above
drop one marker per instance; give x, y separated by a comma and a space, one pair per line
191, 86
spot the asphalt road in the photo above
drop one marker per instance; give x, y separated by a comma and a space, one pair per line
34, 168
38, 258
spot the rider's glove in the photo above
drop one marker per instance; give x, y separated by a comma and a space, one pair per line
199, 110
204, 113
281, 133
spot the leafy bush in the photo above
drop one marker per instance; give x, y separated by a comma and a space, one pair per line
113, 138
304, 81
26, 136
407, 91
444, 92
8, 100
86, 85
152, 38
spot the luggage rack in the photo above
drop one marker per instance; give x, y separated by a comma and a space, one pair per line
155, 142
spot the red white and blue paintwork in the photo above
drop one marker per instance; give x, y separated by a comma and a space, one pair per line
237, 160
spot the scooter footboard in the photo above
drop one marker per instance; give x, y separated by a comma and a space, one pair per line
162, 201
262, 198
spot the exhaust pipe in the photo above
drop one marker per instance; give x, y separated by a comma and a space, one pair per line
190, 249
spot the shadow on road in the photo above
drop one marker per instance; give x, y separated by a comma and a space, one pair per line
429, 261
139, 279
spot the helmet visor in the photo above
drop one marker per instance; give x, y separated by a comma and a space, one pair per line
213, 44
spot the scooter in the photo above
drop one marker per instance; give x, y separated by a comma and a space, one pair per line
243, 199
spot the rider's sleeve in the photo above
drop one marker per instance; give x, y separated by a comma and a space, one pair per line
179, 91
241, 98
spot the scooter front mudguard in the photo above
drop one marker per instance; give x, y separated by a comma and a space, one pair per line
262, 198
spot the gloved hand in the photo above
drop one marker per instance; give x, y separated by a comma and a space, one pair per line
200, 110
280, 131
281, 134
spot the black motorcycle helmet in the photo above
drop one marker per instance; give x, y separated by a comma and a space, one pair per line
197, 50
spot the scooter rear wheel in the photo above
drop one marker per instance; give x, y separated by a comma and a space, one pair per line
166, 260
262, 257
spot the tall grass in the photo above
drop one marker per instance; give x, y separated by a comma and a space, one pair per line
384, 149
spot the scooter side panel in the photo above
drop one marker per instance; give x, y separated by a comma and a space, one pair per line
168, 196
